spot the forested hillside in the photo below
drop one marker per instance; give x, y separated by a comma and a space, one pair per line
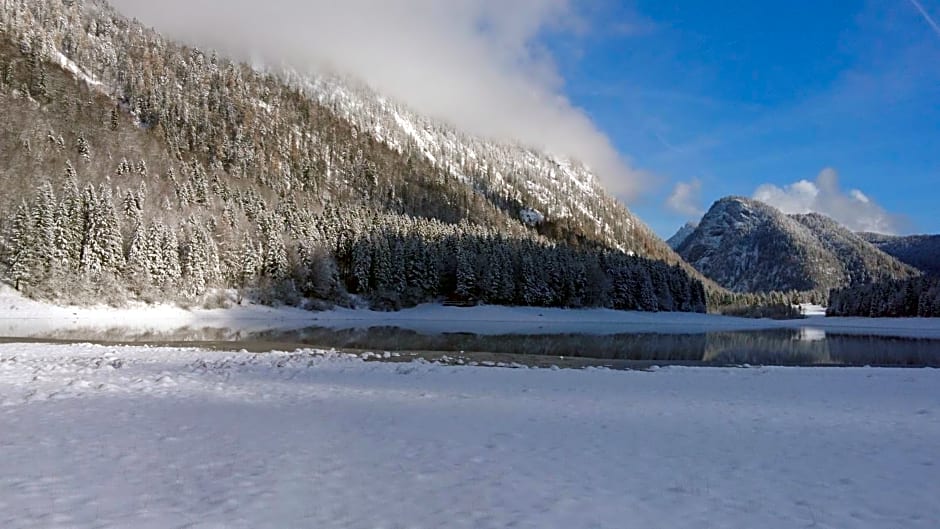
859, 261
137, 167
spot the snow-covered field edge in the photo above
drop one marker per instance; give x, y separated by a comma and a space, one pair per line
102, 436
25, 318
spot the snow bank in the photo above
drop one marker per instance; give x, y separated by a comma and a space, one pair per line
22, 318
143, 437
809, 309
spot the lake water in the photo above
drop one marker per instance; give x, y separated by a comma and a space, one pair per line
788, 347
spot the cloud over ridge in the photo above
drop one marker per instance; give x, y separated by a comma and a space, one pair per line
477, 64
852, 209
686, 199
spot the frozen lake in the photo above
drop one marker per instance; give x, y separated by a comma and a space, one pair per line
525, 335
783, 346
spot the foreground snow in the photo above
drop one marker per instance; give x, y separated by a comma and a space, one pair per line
24, 318
97, 436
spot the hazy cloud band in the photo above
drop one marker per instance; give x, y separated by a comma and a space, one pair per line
474, 63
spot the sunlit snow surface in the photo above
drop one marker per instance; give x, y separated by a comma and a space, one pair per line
94, 436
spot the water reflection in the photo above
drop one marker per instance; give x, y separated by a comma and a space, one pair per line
810, 334
807, 346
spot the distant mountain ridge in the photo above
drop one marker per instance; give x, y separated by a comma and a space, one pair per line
680, 236
748, 246
920, 251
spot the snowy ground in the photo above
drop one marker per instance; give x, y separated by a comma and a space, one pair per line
23, 318
93, 436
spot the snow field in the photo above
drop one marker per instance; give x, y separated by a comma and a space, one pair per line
96, 436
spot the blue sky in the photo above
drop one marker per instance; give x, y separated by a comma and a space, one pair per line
729, 96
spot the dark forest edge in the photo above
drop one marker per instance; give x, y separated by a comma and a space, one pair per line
917, 297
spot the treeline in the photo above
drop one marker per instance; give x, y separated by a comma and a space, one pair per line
94, 243
773, 305
918, 297
409, 262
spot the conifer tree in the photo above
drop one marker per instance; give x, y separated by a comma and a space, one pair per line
466, 270
23, 242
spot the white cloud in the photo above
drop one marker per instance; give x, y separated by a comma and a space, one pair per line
475, 63
858, 195
686, 198
799, 197
854, 210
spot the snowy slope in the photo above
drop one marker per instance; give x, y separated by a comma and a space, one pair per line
157, 438
565, 185
556, 186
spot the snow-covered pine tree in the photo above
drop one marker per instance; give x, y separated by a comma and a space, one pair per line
138, 264
648, 294
275, 265
162, 257
102, 246
198, 259
250, 259
23, 240
533, 288
46, 252
467, 253
361, 268
381, 277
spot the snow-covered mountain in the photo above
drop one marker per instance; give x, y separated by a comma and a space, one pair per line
676, 240
748, 246
129, 156
90, 40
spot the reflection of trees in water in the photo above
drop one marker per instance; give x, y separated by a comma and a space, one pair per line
877, 350
772, 347
783, 347
662, 347
786, 347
